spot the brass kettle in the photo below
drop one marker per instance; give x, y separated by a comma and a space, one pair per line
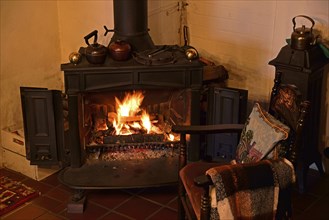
302, 38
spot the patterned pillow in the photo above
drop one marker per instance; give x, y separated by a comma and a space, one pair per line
259, 136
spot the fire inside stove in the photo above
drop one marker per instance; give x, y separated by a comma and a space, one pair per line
133, 124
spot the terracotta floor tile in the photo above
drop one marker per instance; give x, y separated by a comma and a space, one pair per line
27, 212
108, 198
61, 208
51, 180
49, 216
164, 214
318, 211
302, 201
161, 195
42, 187
92, 211
115, 216
59, 194
46, 202
173, 204
319, 187
137, 208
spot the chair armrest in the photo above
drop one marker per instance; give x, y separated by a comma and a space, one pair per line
208, 129
203, 181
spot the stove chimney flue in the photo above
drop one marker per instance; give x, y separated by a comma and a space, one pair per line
131, 24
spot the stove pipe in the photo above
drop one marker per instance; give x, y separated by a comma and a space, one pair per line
131, 24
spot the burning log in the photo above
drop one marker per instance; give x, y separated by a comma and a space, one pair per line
137, 118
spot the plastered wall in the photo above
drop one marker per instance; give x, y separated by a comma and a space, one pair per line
30, 52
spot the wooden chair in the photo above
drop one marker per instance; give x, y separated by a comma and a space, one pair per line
194, 184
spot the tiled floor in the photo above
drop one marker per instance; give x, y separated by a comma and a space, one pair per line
151, 203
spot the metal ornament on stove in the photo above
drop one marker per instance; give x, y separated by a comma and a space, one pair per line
75, 58
191, 53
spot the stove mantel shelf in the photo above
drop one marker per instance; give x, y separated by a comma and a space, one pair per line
112, 65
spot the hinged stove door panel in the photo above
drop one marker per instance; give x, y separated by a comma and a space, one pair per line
225, 106
43, 125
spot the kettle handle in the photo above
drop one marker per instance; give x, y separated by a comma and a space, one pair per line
304, 16
92, 34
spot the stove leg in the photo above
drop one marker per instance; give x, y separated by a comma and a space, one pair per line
77, 202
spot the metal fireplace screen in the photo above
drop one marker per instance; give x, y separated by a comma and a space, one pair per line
130, 125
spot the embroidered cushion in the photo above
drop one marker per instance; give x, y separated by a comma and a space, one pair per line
259, 136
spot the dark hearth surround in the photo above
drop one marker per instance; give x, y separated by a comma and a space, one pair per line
121, 76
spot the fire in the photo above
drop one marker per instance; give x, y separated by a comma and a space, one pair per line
131, 119
146, 122
130, 104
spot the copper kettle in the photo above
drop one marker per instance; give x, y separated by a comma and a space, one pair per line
95, 52
302, 38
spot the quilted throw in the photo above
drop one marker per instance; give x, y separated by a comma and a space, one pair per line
249, 191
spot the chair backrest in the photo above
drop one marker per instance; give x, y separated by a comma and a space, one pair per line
287, 106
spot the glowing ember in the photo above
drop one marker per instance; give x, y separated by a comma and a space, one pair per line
171, 137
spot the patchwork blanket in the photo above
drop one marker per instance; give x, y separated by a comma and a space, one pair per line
249, 191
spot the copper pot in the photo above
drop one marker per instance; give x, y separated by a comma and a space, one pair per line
120, 50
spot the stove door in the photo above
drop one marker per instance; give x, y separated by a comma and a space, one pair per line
43, 126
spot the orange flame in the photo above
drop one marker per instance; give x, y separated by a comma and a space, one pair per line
146, 122
130, 104
130, 117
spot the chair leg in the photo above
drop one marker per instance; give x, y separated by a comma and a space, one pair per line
205, 206
181, 194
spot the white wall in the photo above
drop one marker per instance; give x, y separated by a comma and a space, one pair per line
79, 18
30, 52
245, 35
